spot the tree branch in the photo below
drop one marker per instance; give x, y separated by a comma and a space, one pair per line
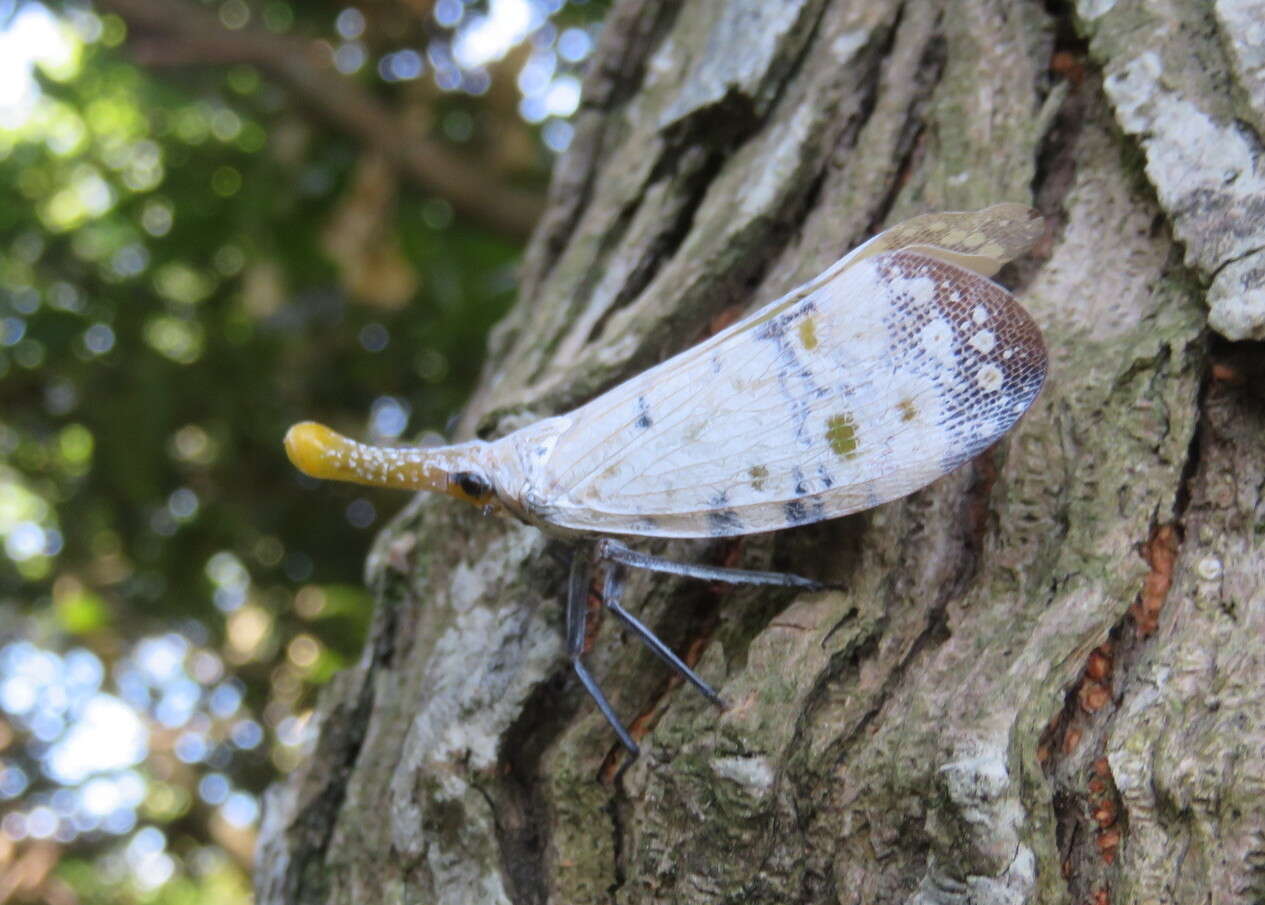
166, 32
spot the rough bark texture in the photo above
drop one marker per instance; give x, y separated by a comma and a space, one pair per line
1043, 682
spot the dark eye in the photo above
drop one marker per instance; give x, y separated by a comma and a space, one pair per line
472, 485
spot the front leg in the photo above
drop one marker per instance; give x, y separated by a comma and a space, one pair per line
577, 616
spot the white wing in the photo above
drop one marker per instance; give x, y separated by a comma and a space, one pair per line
877, 381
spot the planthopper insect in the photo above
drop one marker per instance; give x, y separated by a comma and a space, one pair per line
894, 366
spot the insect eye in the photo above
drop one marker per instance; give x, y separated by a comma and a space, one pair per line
473, 485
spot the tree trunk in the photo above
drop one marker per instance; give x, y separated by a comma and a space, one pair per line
1042, 682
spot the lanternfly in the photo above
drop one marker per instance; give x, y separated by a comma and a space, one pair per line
893, 367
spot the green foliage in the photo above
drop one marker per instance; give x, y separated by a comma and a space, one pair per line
169, 310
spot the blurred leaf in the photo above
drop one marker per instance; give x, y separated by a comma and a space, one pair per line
80, 611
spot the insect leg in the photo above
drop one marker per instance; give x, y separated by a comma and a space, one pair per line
614, 551
577, 620
612, 591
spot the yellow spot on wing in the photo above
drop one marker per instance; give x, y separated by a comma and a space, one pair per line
808, 333
907, 409
841, 434
758, 474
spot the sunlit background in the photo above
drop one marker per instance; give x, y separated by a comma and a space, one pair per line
189, 261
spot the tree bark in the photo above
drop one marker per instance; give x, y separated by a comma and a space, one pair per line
1042, 682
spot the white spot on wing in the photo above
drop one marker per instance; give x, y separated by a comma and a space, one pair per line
989, 378
937, 339
922, 291
984, 341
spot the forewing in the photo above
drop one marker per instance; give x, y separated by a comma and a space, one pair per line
892, 372
981, 241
